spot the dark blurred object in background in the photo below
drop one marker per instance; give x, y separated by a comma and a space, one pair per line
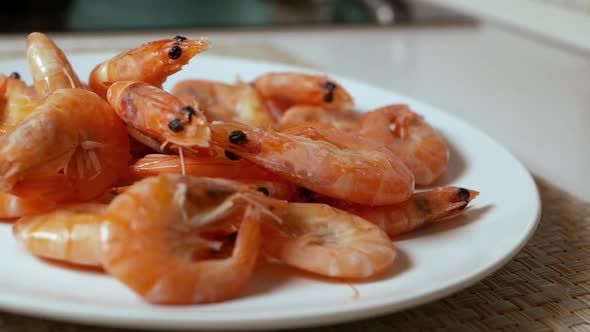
93, 15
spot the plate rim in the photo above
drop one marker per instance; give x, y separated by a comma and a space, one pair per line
15, 304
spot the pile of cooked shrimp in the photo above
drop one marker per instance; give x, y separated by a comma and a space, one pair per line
180, 194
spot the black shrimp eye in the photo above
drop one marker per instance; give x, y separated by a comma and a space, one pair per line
463, 194
330, 85
175, 125
329, 96
264, 191
15, 75
230, 155
175, 53
179, 39
238, 137
189, 111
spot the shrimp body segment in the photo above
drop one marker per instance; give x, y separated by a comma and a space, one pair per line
413, 140
17, 101
70, 234
150, 63
421, 209
155, 239
49, 66
158, 115
71, 150
284, 90
324, 240
339, 166
301, 114
14, 206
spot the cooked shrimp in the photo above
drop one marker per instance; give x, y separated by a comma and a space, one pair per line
300, 114
284, 90
214, 98
421, 209
321, 239
70, 234
71, 150
49, 67
150, 63
156, 239
17, 101
158, 115
338, 165
155, 164
224, 102
413, 140
14, 207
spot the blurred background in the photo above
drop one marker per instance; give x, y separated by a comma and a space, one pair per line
94, 15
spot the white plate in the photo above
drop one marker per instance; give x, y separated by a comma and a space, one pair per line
434, 262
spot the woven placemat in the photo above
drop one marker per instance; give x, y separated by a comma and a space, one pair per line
546, 287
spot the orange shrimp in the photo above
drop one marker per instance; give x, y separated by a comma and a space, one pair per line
214, 98
155, 164
224, 102
413, 140
421, 209
321, 239
71, 150
284, 90
17, 101
14, 207
70, 234
157, 116
157, 239
150, 63
49, 66
332, 162
300, 114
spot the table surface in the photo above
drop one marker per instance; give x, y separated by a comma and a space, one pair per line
530, 96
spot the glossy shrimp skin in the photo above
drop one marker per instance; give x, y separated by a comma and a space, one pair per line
224, 102
412, 139
72, 149
324, 240
17, 101
49, 66
157, 115
337, 165
421, 209
302, 114
283, 90
150, 63
70, 234
12, 206
154, 239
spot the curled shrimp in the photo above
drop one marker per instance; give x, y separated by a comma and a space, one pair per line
413, 140
332, 162
321, 239
14, 206
17, 101
225, 102
156, 239
155, 164
49, 66
72, 149
150, 63
155, 117
300, 114
421, 209
70, 234
284, 90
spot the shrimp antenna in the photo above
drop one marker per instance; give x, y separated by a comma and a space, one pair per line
163, 145
181, 154
263, 208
